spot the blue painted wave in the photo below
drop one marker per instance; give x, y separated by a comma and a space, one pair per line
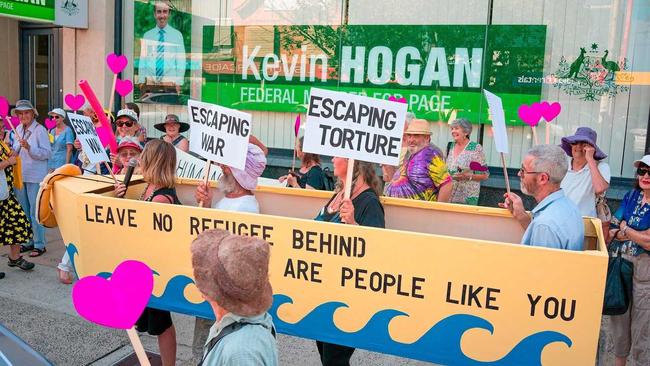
440, 344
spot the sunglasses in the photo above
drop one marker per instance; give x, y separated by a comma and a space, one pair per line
124, 123
56, 116
642, 171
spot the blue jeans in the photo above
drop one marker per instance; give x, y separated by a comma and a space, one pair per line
27, 199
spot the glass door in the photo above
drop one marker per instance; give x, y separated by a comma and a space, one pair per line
41, 68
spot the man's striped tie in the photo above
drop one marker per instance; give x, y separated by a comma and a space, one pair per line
160, 55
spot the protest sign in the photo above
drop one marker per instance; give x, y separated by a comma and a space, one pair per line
499, 129
219, 134
498, 122
87, 135
458, 291
190, 167
353, 126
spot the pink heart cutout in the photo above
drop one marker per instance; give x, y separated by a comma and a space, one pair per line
123, 87
530, 114
550, 111
476, 166
402, 100
4, 106
5, 122
116, 63
50, 123
75, 102
117, 302
296, 126
392, 99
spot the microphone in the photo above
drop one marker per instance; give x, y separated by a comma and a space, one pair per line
129, 171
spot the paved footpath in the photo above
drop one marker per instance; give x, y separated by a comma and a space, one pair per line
39, 309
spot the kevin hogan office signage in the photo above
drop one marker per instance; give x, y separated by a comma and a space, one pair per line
32, 10
436, 68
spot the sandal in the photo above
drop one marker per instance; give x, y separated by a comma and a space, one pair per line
26, 248
64, 277
37, 252
20, 263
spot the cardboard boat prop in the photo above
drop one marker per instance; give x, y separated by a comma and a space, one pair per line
442, 283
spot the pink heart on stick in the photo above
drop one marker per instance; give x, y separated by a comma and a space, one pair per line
4, 106
50, 123
116, 63
74, 102
530, 114
476, 166
550, 111
117, 302
123, 87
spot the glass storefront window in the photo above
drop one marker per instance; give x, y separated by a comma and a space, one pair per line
263, 56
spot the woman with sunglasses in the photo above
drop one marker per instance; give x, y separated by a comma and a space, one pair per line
63, 140
127, 124
127, 127
631, 233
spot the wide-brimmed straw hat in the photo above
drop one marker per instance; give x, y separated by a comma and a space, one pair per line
583, 134
418, 127
24, 105
233, 270
172, 118
255, 164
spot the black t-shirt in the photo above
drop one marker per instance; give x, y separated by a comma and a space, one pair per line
368, 211
314, 178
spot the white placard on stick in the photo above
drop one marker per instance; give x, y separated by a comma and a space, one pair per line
188, 166
219, 134
85, 130
353, 126
498, 122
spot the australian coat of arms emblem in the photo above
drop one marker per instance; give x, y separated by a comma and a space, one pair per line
591, 74
70, 7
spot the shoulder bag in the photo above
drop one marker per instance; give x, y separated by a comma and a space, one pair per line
618, 286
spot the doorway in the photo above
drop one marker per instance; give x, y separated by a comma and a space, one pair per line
40, 60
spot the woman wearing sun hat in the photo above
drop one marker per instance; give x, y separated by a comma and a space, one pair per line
588, 175
63, 140
173, 127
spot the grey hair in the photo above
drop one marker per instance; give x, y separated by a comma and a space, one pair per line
466, 125
409, 117
550, 159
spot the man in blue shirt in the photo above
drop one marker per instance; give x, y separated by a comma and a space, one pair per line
162, 51
232, 273
556, 221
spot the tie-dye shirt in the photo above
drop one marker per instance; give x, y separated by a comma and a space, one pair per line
420, 176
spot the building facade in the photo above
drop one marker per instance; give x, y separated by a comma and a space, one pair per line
262, 56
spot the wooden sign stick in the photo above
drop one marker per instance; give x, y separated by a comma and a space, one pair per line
137, 347
535, 140
548, 133
111, 171
208, 164
110, 103
505, 172
348, 179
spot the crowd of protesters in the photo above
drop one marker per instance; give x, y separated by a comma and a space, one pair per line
567, 182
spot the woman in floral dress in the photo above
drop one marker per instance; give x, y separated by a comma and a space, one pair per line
461, 152
14, 224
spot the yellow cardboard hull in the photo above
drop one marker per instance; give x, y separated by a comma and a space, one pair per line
444, 283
